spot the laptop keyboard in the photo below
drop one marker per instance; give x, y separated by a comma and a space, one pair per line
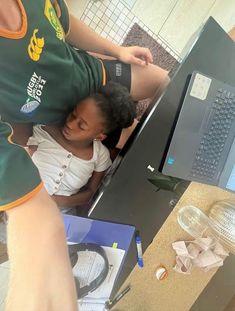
208, 155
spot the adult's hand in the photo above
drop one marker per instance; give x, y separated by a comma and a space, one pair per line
135, 55
82, 37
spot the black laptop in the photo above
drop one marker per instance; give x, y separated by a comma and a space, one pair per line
202, 147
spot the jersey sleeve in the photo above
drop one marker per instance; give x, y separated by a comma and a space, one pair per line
103, 159
19, 178
62, 12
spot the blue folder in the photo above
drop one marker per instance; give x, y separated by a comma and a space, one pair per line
86, 230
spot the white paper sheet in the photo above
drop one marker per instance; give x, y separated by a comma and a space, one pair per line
85, 306
205, 253
88, 267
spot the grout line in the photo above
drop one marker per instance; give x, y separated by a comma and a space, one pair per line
129, 7
210, 9
169, 15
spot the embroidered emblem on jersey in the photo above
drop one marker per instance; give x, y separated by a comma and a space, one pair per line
35, 46
30, 106
53, 19
34, 91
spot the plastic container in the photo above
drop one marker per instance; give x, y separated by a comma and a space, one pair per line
222, 218
194, 221
219, 224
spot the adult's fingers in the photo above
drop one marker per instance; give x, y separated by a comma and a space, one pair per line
137, 61
147, 55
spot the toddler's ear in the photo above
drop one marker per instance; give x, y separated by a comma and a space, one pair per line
101, 137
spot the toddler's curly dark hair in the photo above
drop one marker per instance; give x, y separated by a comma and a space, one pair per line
116, 105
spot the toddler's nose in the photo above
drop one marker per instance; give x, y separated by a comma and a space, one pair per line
71, 123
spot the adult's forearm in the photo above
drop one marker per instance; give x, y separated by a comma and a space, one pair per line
40, 271
81, 36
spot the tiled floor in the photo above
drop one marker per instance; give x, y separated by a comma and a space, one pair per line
171, 22
113, 19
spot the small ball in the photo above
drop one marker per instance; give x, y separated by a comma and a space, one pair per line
161, 273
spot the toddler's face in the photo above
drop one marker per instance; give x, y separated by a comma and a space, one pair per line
84, 123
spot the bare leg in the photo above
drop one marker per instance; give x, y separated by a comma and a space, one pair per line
147, 80
231, 33
145, 87
126, 134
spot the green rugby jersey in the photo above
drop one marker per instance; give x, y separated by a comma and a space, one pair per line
19, 178
42, 78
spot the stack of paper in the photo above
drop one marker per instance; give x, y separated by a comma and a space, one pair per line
88, 267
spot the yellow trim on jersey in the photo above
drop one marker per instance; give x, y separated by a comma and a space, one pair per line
103, 74
67, 33
9, 138
28, 195
17, 34
58, 13
23, 199
51, 14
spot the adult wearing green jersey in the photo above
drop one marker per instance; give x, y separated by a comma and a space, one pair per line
42, 78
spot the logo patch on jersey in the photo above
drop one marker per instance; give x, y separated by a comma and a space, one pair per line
34, 91
35, 87
50, 13
35, 46
29, 107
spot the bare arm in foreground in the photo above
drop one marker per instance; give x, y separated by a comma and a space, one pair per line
39, 258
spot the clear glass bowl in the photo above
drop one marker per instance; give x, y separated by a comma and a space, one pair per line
222, 217
194, 221
220, 222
